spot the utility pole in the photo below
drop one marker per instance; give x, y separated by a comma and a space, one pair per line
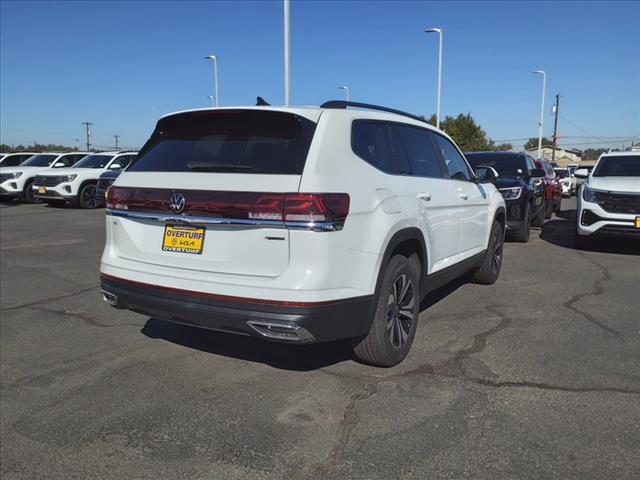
555, 128
116, 137
88, 125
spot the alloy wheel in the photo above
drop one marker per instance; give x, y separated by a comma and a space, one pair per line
89, 196
400, 311
498, 244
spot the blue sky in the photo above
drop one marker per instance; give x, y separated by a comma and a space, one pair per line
121, 65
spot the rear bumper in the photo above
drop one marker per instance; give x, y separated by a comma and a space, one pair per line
319, 322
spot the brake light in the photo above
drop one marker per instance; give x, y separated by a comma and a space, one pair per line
316, 207
323, 211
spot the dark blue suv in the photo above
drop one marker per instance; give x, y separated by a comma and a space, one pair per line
521, 184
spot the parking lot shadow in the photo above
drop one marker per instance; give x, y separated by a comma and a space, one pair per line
561, 231
279, 355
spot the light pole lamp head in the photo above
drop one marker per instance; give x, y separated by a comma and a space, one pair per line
343, 87
541, 72
210, 57
433, 30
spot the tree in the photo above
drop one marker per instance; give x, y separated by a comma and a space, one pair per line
467, 134
36, 147
532, 143
593, 153
504, 146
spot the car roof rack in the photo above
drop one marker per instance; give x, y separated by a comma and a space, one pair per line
345, 104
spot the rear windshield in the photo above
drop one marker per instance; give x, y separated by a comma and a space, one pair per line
43, 160
618, 166
505, 165
238, 141
560, 173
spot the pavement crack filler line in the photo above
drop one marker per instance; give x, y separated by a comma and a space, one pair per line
351, 419
451, 368
50, 299
598, 289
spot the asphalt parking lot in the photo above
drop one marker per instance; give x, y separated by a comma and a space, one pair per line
537, 376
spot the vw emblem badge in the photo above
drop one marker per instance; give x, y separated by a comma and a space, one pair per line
177, 202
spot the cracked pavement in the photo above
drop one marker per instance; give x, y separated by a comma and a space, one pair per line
535, 377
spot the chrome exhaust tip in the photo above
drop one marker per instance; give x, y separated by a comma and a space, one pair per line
281, 331
110, 298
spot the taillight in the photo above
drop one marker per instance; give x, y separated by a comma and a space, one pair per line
316, 208
117, 198
314, 211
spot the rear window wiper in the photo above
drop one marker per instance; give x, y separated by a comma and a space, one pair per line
217, 167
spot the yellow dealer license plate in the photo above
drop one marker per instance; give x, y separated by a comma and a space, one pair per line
183, 239
637, 222
42, 190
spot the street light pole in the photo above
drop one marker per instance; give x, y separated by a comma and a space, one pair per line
346, 90
541, 124
439, 32
555, 128
287, 71
215, 77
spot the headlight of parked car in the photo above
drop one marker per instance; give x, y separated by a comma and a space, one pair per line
511, 193
591, 195
15, 175
70, 178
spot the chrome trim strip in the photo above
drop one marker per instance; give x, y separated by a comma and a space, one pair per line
224, 222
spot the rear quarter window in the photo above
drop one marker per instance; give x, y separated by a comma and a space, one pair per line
238, 141
370, 141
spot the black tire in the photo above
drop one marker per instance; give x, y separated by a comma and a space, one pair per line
538, 221
27, 193
87, 196
489, 271
393, 327
548, 208
522, 234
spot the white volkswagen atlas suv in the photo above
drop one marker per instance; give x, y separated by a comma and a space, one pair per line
17, 182
609, 199
77, 185
298, 224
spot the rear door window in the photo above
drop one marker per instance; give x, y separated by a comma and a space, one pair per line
419, 149
370, 141
238, 141
456, 164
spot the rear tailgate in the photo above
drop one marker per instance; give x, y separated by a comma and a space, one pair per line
207, 192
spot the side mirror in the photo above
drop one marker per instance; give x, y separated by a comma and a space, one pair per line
486, 174
536, 173
58, 165
115, 166
581, 173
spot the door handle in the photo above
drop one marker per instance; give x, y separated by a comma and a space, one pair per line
464, 196
424, 196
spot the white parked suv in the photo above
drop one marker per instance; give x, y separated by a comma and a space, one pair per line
298, 224
609, 199
567, 181
77, 185
16, 182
